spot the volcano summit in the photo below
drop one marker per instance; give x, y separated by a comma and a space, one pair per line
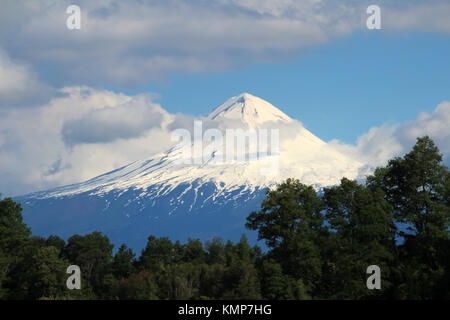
163, 196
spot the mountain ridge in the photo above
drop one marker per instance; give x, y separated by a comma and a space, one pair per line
160, 196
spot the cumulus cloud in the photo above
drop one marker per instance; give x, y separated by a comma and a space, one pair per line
140, 41
19, 86
129, 120
383, 143
36, 154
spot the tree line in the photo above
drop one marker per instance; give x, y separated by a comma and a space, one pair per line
319, 244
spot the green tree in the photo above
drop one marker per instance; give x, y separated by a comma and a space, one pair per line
273, 281
93, 254
14, 234
140, 286
56, 242
364, 235
291, 222
241, 281
179, 281
243, 249
123, 262
5, 263
158, 252
47, 274
193, 251
15, 243
212, 281
215, 251
417, 186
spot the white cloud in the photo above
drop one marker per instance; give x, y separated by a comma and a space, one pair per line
34, 154
129, 120
424, 16
134, 42
19, 85
380, 144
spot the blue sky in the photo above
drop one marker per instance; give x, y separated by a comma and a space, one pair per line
339, 90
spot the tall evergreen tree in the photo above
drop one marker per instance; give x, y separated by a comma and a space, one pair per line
417, 185
158, 252
291, 222
15, 245
123, 262
93, 254
364, 235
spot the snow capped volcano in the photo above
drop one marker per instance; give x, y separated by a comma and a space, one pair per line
251, 110
302, 155
212, 198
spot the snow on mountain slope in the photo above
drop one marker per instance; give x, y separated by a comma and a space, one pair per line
301, 155
251, 110
162, 196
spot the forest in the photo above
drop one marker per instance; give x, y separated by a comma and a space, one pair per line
319, 245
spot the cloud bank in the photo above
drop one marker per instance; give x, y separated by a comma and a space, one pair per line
136, 42
383, 143
19, 85
80, 134
129, 120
